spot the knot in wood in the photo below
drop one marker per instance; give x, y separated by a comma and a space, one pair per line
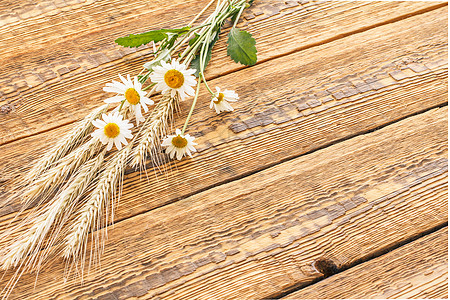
326, 266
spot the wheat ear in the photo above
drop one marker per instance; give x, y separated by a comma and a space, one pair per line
94, 213
29, 244
149, 139
48, 181
65, 145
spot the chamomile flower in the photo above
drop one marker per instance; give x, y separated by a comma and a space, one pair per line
220, 100
131, 92
179, 144
175, 78
112, 130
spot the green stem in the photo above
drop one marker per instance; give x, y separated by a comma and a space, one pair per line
212, 19
199, 26
201, 12
238, 16
149, 86
192, 106
203, 55
121, 104
207, 86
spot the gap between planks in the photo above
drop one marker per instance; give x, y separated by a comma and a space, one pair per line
405, 270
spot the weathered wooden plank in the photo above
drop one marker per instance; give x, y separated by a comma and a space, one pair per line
417, 270
257, 237
289, 106
60, 55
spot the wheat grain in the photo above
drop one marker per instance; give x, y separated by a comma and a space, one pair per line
65, 145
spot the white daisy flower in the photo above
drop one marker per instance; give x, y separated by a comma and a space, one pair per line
220, 100
131, 92
179, 144
112, 129
174, 77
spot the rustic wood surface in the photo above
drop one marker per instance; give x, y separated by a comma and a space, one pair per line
416, 270
336, 152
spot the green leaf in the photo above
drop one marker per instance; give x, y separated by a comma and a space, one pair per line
241, 47
195, 64
135, 40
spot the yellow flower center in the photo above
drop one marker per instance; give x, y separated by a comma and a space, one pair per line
174, 78
111, 130
219, 98
179, 141
132, 96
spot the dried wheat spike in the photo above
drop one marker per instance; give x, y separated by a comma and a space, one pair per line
29, 244
149, 139
65, 145
94, 214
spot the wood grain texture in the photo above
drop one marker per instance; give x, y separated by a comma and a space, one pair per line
417, 270
259, 236
289, 106
292, 176
61, 54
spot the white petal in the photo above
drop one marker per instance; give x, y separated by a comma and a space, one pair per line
179, 155
118, 144
171, 148
130, 82
110, 144
189, 90
105, 117
144, 106
138, 112
113, 89
147, 101
128, 135
123, 139
98, 123
114, 99
172, 154
174, 92
166, 142
119, 85
137, 84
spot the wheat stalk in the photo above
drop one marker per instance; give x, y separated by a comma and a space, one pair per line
154, 128
65, 145
91, 216
29, 244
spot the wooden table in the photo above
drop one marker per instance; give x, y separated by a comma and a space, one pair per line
329, 180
